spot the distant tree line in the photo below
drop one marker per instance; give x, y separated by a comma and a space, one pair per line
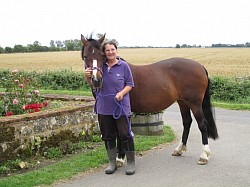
231, 45
213, 45
55, 45
76, 45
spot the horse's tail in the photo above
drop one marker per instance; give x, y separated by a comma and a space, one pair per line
209, 112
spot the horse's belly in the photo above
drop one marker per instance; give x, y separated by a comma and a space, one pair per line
150, 106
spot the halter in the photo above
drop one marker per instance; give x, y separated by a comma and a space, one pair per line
97, 68
94, 67
96, 81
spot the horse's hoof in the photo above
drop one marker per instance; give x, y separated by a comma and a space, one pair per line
176, 153
120, 161
202, 161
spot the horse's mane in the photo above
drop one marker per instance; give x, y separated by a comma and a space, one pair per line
93, 43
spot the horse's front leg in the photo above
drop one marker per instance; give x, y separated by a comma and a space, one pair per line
187, 121
179, 149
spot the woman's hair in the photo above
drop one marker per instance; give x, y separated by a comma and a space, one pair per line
108, 43
103, 49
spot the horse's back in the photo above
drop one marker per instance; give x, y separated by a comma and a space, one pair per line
180, 65
188, 76
160, 84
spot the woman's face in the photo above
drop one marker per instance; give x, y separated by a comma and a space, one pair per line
110, 52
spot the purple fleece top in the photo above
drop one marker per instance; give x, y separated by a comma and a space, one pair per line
114, 80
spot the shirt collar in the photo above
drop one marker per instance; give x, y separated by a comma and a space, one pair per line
118, 63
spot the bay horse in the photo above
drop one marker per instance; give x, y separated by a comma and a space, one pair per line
159, 85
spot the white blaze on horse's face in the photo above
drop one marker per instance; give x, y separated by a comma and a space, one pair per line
95, 70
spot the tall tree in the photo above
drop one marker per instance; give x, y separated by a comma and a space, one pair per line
1, 50
8, 50
52, 43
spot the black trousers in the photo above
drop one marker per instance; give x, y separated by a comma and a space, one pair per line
111, 128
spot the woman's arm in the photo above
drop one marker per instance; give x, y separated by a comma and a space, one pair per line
119, 95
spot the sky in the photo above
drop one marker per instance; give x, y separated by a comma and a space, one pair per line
157, 23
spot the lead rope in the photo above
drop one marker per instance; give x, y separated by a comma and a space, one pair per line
120, 109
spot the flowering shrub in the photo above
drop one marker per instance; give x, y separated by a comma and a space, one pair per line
21, 95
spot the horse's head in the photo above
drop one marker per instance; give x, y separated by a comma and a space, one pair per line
92, 56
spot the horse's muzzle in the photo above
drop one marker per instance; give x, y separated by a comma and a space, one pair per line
97, 83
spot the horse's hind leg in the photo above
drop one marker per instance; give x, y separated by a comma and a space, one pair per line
120, 158
186, 120
202, 124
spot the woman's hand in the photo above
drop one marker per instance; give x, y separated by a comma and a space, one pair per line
119, 96
88, 72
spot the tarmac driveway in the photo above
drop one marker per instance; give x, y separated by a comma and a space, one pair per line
228, 166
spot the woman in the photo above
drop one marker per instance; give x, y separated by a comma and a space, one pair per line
111, 98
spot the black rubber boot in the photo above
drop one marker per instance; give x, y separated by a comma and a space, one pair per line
130, 170
130, 153
111, 150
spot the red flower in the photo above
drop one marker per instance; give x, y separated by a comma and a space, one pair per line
36, 110
9, 113
45, 103
32, 106
38, 105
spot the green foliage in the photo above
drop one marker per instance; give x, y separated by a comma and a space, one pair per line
69, 45
35, 145
8, 50
1, 50
232, 105
9, 166
19, 49
1, 107
54, 152
96, 138
231, 90
55, 80
63, 79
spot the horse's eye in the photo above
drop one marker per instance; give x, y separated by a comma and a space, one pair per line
84, 57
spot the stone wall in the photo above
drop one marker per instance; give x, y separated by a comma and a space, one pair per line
20, 135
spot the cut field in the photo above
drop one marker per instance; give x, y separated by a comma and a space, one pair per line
227, 62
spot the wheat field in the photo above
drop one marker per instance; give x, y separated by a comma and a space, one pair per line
227, 62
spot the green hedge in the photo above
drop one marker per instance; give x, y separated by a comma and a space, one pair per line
222, 89
230, 89
54, 80
62, 80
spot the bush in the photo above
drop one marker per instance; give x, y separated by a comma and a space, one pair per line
56, 80
231, 90
64, 79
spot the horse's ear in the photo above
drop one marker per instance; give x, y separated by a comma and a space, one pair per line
102, 39
84, 40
